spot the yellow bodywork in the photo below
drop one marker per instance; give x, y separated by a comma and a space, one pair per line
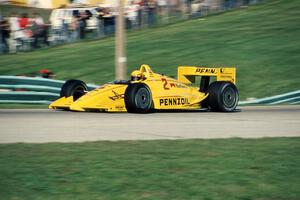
167, 93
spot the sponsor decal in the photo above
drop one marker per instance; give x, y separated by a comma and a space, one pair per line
226, 77
120, 107
178, 85
168, 85
173, 101
206, 70
116, 96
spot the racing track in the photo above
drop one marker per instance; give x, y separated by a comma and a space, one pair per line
39, 126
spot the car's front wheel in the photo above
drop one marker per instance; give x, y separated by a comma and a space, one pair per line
75, 88
138, 98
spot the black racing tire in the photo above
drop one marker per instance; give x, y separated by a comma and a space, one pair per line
138, 98
223, 96
75, 88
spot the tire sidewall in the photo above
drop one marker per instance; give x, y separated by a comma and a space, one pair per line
132, 103
216, 97
71, 87
222, 105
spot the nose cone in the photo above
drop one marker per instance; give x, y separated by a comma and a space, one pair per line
77, 106
62, 103
106, 98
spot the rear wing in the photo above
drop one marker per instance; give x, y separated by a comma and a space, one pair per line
187, 74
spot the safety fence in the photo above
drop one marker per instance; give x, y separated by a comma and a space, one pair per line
32, 90
286, 98
36, 90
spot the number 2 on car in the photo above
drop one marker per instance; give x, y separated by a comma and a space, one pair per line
166, 83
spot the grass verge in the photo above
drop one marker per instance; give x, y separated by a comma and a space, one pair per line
180, 169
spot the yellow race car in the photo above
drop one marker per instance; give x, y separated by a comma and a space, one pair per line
148, 91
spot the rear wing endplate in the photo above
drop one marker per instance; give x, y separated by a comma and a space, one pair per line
187, 74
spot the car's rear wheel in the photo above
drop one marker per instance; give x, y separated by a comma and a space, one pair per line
138, 98
223, 96
75, 88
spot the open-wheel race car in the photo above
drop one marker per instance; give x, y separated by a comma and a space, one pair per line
148, 91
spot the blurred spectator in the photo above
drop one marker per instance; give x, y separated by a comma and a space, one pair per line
108, 22
24, 24
4, 32
24, 21
162, 10
39, 30
74, 28
83, 17
228, 4
151, 8
64, 29
174, 7
189, 7
140, 6
132, 14
16, 34
100, 22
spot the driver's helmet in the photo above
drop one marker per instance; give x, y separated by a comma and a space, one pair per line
136, 75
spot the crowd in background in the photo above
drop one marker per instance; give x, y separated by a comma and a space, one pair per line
16, 30
21, 32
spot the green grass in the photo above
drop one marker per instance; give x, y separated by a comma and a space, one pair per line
261, 169
262, 41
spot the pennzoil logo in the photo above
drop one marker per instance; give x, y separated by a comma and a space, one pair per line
117, 96
206, 70
173, 101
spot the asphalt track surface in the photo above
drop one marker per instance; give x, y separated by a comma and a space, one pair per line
42, 126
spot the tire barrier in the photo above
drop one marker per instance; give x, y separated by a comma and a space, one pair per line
286, 98
31, 90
